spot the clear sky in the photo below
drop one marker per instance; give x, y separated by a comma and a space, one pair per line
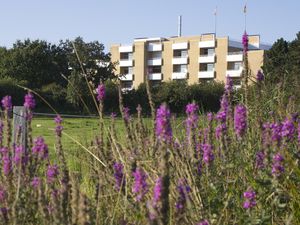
120, 21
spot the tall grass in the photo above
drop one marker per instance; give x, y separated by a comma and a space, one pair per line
239, 166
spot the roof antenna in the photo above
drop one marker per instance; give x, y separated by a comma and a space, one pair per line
179, 26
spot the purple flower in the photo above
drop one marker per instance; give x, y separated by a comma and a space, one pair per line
220, 129
35, 183
203, 222
288, 129
101, 92
40, 148
1, 131
240, 120
183, 195
260, 76
249, 197
191, 108
208, 156
245, 42
119, 175
140, 186
210, 116
260, 157
157, 191
299, 134
277, 167
29, 102
17, 159
59, 127
163, 125
6, 161
2, 194
113, 115
192, 119
6, 103
228, 85
126, 114
276, 132
52, 173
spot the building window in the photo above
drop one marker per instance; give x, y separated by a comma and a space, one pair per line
126, 85
180, 68
207, 66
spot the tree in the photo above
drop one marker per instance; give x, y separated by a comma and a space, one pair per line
276, 61
95, 63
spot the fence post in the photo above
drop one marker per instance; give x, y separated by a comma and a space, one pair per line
20, 125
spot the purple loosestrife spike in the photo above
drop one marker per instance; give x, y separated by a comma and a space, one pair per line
119, 175
277, 167
192, 117
52, 173
6, 161
288, 129
245, 42
183, 195
29, 102
40, 148
163, 128
6, 103
210, 116
126, 114
208, 156
220, 129
113, 115
35, 183
228, 85
260, 157
240, 120
2, 194
140, 186
18, 157
299, 134
203, 222
249, 197
157, 191
276, 132
101, 92
260, 76
1, 131
191, 108
59, 127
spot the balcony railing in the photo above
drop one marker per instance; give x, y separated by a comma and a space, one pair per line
178, 46
207, 58
179, 75
207, 44
126, 48
154, 62
206, 74
234, 73
155, 76
234, 56
154, 47
126, 77
126, 62
179, 60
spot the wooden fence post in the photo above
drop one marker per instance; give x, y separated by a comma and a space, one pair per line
20, 125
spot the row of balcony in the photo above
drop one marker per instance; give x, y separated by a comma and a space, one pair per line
153, 47
183, 75
184, 60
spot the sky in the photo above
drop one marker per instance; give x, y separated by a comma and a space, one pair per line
120, 21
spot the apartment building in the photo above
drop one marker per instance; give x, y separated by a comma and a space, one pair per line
196, 59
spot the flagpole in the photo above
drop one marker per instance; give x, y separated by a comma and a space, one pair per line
245, 12
215, 13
